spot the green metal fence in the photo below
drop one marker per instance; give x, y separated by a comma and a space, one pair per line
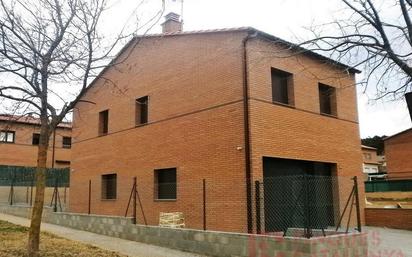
388, 185
25, 176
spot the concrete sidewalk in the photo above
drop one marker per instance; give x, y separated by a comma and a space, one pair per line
387, 242
130, 248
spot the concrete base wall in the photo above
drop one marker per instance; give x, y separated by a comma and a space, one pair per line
206, 242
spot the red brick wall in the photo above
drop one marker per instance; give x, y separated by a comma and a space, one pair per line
195, 124
23, 153
300, 132
194, 84
390, 218
398, 151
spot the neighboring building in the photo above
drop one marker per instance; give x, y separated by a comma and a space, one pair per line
19, 137
382, 163
217, 105
398, 152
370, 163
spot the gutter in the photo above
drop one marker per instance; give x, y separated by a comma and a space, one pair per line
246, 123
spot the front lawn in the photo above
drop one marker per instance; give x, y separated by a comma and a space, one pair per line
13, 242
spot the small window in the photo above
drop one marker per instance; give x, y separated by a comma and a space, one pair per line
165, 184
327, 99
62, 162
36, 139
103, 122
109, 186
67, 142
282, 87
142, 110
7, 136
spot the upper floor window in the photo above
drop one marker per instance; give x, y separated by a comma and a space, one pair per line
282, 87
327, 99
67, 142
7, 136
165, 184
36, 139
103, 122
142, 110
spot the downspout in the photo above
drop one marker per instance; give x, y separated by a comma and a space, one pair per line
248, 175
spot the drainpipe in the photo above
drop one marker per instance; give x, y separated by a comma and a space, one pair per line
248, 177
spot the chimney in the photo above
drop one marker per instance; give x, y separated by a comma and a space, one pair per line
172, 23
408, 97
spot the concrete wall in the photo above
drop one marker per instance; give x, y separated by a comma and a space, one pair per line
210, 243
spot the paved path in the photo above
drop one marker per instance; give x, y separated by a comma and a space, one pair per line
386, 242
130, 248
383, 242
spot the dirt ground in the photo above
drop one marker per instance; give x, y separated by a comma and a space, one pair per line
13, 243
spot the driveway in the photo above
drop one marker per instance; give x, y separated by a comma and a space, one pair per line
386, 242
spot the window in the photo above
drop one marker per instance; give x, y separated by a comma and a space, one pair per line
62, 162
282, 87
327, 99
165, 184
7, 136
109, 186
142, 110
367, 156
36, 139
67, 142
103, 122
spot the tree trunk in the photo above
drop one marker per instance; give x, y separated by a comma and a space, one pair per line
34, 231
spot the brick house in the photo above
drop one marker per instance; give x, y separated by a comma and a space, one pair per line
19, 137
398, 149
230, 106
370, 162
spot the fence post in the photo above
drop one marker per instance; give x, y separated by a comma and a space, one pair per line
134, 200
11, 194
55, 195
90, 192
358, 217
308, 225
64, 198
31, 191
257, 195
204, 204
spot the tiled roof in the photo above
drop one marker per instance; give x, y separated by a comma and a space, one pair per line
368, 147
28, 120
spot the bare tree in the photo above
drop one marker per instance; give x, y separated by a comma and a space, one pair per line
375, 35
50, 50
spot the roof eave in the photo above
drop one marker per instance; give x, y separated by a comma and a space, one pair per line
306, 51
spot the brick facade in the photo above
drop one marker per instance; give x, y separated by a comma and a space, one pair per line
196, 124
389, 218
398, 149
23, 153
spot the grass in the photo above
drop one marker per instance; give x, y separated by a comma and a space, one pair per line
13, 242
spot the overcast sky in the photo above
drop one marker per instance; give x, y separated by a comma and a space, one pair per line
283, 18
286, 19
